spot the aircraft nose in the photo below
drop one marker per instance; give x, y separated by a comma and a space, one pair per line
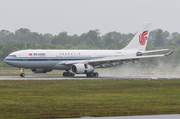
6, 60
9, 61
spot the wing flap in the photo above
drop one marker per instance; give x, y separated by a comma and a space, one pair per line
121, 58
76, 62
153, 51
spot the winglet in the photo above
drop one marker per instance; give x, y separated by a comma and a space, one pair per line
169, 53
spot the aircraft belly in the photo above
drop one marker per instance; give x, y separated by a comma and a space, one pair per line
61, 67
34, 64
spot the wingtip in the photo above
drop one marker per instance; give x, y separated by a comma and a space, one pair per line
169, 53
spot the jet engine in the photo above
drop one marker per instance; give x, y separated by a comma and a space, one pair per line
82, 68
41, 70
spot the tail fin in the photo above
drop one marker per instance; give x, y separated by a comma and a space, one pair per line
139, 41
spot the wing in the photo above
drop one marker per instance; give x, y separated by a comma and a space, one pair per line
113, 60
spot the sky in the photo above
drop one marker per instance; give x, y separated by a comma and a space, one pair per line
80, 16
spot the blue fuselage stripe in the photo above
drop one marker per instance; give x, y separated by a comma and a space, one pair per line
49, 58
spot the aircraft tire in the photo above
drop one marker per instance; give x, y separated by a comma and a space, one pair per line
22, 74
64, 74
68, 74
96, 74
72, 74
87, 75
91, 74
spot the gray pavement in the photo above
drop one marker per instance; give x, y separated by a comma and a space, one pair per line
83, 77
165, 116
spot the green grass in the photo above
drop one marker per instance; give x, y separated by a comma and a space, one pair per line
76, 98
13, 71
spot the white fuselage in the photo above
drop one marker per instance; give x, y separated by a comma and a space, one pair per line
54, 59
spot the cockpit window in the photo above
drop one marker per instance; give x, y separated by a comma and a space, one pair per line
11, 55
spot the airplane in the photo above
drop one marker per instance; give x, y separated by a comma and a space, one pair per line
83, 61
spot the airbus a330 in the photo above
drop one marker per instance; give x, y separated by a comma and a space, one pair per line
83, 61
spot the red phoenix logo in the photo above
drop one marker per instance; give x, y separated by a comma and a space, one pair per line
143, 38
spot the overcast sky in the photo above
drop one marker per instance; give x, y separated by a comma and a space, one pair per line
80, 16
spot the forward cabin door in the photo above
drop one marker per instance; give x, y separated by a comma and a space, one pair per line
24, 55
49, 63
48, 56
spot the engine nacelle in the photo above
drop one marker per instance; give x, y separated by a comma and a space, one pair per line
41, 70
81, 68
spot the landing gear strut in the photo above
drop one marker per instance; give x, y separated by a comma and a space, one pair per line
93, 74
22, 74
68, 74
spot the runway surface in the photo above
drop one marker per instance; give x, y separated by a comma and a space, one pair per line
83, 77
165, 116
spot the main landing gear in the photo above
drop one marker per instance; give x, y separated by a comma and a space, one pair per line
93, 74
68, 74
22, 74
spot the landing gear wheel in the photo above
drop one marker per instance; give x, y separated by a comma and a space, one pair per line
91, 74
68, 74
64, 74
88, 75
96, 74
72, 74
22, 74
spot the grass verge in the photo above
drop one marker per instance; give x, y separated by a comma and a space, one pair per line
76, 98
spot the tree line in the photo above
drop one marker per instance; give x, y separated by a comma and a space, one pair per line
25, 39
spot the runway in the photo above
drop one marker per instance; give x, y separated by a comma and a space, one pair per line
83, 77
163, 116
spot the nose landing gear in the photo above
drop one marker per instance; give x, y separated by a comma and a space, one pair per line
22, 74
